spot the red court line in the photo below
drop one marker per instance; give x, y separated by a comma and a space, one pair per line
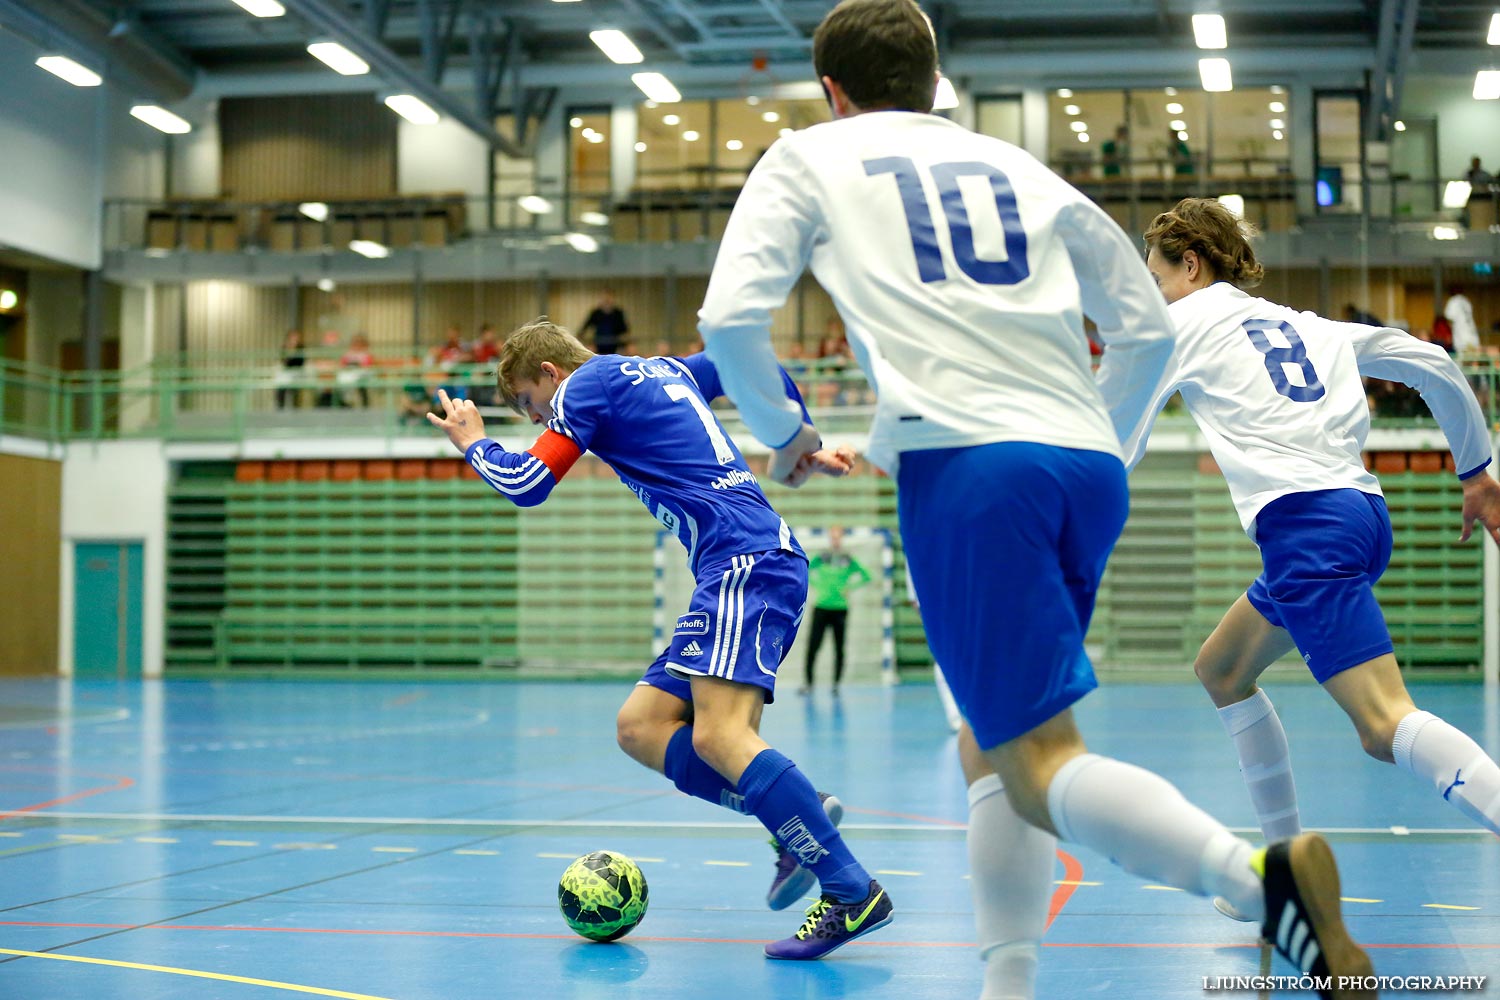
1072, 872
356, 932
120, 782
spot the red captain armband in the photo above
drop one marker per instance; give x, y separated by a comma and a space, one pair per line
557, 452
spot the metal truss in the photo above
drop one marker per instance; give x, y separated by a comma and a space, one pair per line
495, 49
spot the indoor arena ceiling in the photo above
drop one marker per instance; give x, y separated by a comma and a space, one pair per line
508, 51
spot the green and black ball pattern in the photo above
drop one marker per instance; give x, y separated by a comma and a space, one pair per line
602, 895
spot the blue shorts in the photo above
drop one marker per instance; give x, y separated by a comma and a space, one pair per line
1006, 544
1322, 553
742, 621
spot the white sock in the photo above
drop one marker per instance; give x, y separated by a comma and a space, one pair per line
1010, 875
1455, 765
1265, 763
1139, 820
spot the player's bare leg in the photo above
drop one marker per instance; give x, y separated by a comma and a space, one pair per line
1140, 820
1010, 877
1232, 659
647, 722
1392, 729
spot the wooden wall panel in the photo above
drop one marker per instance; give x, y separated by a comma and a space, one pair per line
30, 550
313, 147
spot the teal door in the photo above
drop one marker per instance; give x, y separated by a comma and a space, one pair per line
107, 609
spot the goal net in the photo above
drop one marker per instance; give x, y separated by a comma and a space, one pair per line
870, 647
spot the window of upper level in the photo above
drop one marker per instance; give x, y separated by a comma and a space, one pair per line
695, 145
1163, 133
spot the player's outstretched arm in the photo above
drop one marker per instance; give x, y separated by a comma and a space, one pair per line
1482, 506
524, 478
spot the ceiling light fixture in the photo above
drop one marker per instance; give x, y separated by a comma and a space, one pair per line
617, 45
1216, 75
370, 249
535, 204
1174, 108
1277, 107
262, 8
1456, 194
413, 109
770, 116
593, 218
339, 59
1072, 109
946, 98
582, 242
1487, 85
161, 119
690, 136
1209, 31
314, 210
66, 69
657, 87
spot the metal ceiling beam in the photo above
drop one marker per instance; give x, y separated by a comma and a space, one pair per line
1393, 47
336, 21
128, 55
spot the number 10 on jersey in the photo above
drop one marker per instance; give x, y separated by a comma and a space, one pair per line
924, 237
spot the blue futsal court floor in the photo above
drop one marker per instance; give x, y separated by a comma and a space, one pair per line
218, 841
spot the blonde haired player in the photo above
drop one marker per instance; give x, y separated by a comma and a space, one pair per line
1278, 394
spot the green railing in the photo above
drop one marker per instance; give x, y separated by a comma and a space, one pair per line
231, 397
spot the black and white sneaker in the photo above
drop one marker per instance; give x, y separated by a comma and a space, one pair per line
1303, 921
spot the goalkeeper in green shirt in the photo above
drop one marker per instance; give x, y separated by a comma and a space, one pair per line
830, 577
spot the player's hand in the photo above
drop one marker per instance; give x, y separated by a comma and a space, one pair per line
460, 421
836, 463
1482, 504
792, 463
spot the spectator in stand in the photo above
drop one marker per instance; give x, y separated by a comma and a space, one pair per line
451, 351
607, 325
1115, 152
352, 375
485, 352
293, 359
663, 349
1354, 314
329, 348
487, 348
1178, 153
1459, 311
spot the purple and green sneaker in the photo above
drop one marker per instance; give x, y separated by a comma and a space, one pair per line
831, 924
791, 881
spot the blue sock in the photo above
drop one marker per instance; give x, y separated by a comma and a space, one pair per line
781, 797
691, 775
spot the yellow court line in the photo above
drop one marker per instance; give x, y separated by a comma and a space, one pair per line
236, 843
1162, 888
896, 871
657, 860
1068, 881
480, 853
156, 840
9, 834
1356, 899
729, 864
394, 850
291, 987
1445, 906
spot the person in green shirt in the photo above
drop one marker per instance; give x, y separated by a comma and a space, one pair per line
830, 577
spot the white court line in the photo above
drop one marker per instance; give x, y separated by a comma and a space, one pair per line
632, 824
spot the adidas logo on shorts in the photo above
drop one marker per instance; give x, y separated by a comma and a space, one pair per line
692, 649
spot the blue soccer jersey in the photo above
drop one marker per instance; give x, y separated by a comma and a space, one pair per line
649, 420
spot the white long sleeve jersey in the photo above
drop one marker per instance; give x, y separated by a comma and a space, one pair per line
1278, 395
962, 268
